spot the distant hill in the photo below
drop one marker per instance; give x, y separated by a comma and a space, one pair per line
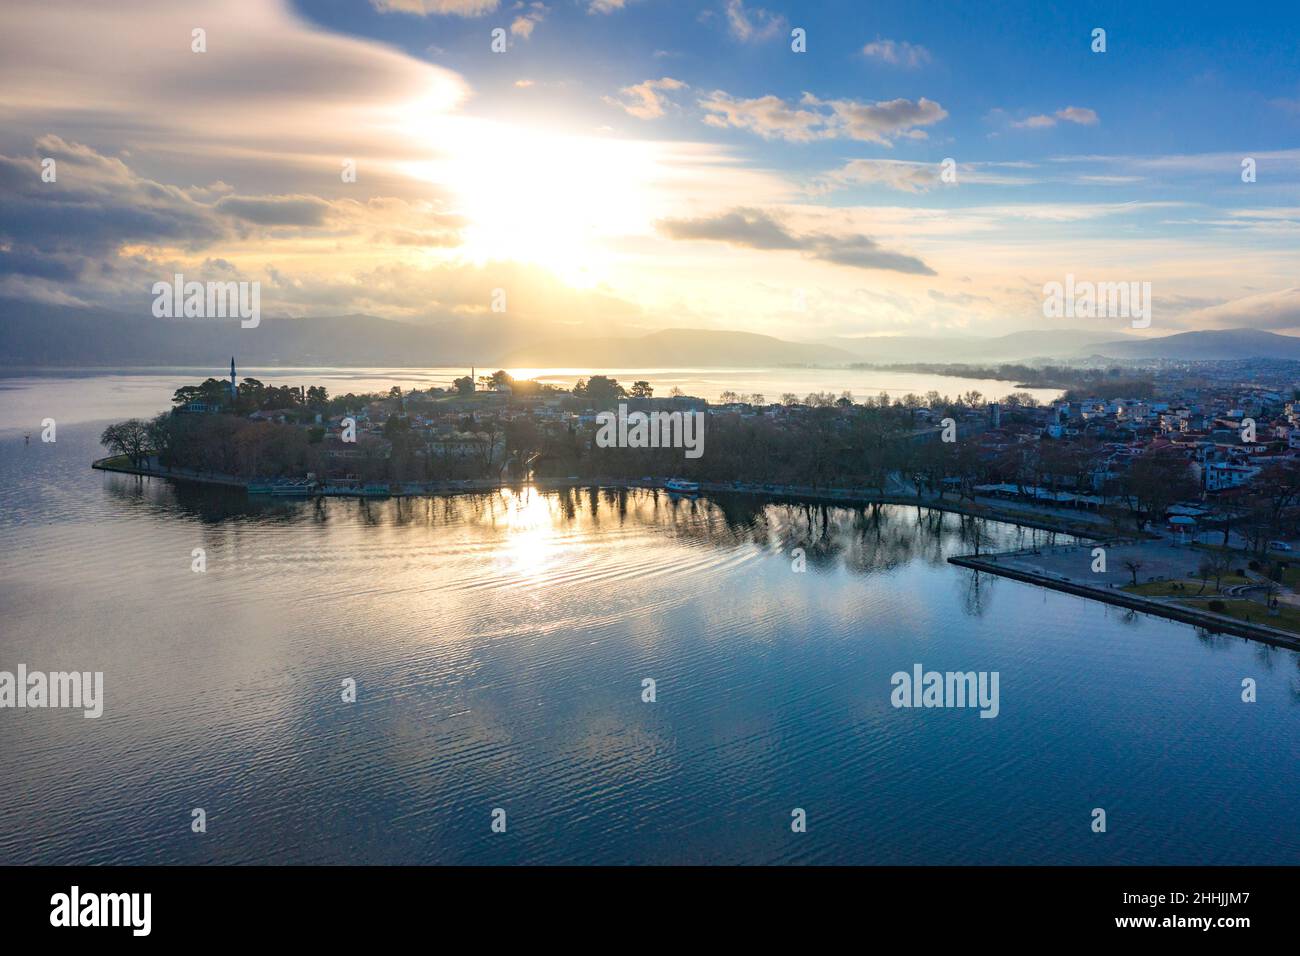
1014, 347
37, 334
676, 348
33, 334
1215, 345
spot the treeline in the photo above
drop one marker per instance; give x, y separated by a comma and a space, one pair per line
1079, 383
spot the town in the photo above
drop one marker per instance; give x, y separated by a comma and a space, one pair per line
1189, 473
1191, 448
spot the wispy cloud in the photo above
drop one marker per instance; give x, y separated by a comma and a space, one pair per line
895, 174
1265, 310
756, 229
897, 53
754, 24
1070, 114
646, 100
424, 8
813, 118
531, 15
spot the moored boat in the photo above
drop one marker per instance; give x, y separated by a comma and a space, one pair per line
682, 486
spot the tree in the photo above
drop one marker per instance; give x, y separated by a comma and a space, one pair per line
642, 390
251, 394
1133, 566
317, 397
602, 390
463, 385
1205, 571
129, 438
396, 428
1281, 482
1154, 482
160, 435
1217, 565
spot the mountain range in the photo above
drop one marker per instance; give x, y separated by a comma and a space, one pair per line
44, 335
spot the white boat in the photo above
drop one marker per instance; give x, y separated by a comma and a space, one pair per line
682, 486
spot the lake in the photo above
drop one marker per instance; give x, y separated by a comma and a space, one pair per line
499, 644
72, 396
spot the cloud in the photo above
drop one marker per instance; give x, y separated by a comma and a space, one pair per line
878, 122
605, 6
902, 176
1078, 114
522, 25
911, 177
1266, 310
645, 100
813, 119
424, 8
756, 229
751, 228
110, 230
272, 92
752, 25
1071, 114
768, 116
863, 253
275, 210
897, 53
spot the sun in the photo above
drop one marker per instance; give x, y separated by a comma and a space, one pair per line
534, 195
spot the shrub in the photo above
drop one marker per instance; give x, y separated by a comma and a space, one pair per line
1218, 606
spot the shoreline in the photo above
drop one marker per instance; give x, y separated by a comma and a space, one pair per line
1216, 623
1062, 524
843, 496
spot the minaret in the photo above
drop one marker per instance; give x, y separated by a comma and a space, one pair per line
233, 391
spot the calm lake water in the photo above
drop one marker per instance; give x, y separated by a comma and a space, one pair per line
499, 643
128, 392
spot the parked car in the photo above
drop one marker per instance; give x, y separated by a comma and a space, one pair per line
1278, 546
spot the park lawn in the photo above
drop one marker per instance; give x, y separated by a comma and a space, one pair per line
1288, 618
1190, 587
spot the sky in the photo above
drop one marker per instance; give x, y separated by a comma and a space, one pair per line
623, 166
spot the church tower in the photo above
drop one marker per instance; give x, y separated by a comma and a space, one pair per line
233, 391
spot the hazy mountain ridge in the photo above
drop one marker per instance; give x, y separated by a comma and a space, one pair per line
1207, 346
677, 348
43, 335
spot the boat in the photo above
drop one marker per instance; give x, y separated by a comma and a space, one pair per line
294, 487
681, 486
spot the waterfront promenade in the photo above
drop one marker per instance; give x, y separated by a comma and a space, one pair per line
1168, 575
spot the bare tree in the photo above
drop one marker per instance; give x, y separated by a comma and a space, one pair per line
1133, 566
130, 438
